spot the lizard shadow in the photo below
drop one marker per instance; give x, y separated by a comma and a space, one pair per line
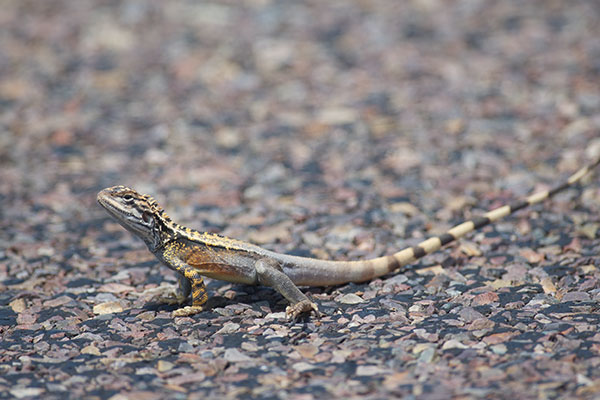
261, 299
264, 299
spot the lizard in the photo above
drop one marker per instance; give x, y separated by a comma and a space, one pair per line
194, 254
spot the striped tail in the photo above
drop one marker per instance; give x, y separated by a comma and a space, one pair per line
383, 265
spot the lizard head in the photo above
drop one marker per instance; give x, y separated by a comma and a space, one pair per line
138, 213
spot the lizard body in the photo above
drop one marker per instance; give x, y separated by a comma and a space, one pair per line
195, 254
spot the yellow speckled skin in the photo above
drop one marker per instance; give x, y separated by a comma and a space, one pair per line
195, 254
171, 256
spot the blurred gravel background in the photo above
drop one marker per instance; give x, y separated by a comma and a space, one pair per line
337, 129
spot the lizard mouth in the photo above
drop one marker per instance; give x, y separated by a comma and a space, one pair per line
123, 214
104, 200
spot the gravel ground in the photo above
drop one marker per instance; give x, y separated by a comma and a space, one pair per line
337, 130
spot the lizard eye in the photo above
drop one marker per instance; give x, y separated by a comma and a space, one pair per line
128, 197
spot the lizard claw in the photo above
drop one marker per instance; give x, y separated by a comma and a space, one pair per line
187, 311
294, 310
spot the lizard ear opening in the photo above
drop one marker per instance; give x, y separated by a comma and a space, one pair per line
147, 217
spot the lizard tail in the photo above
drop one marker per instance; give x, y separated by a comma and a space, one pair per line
386, 264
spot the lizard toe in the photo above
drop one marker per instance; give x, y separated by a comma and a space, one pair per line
187, 311
305, 306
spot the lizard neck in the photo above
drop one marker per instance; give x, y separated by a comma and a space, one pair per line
165, 231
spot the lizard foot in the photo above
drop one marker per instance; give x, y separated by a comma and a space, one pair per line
187, 311
294, 310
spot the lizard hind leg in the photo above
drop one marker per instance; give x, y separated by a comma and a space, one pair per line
270, 274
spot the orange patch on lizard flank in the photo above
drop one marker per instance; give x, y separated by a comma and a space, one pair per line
197, 257
215, 270
204, 264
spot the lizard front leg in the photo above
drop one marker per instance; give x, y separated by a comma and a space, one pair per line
270, 274
199, 295
190, 280
180, 294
